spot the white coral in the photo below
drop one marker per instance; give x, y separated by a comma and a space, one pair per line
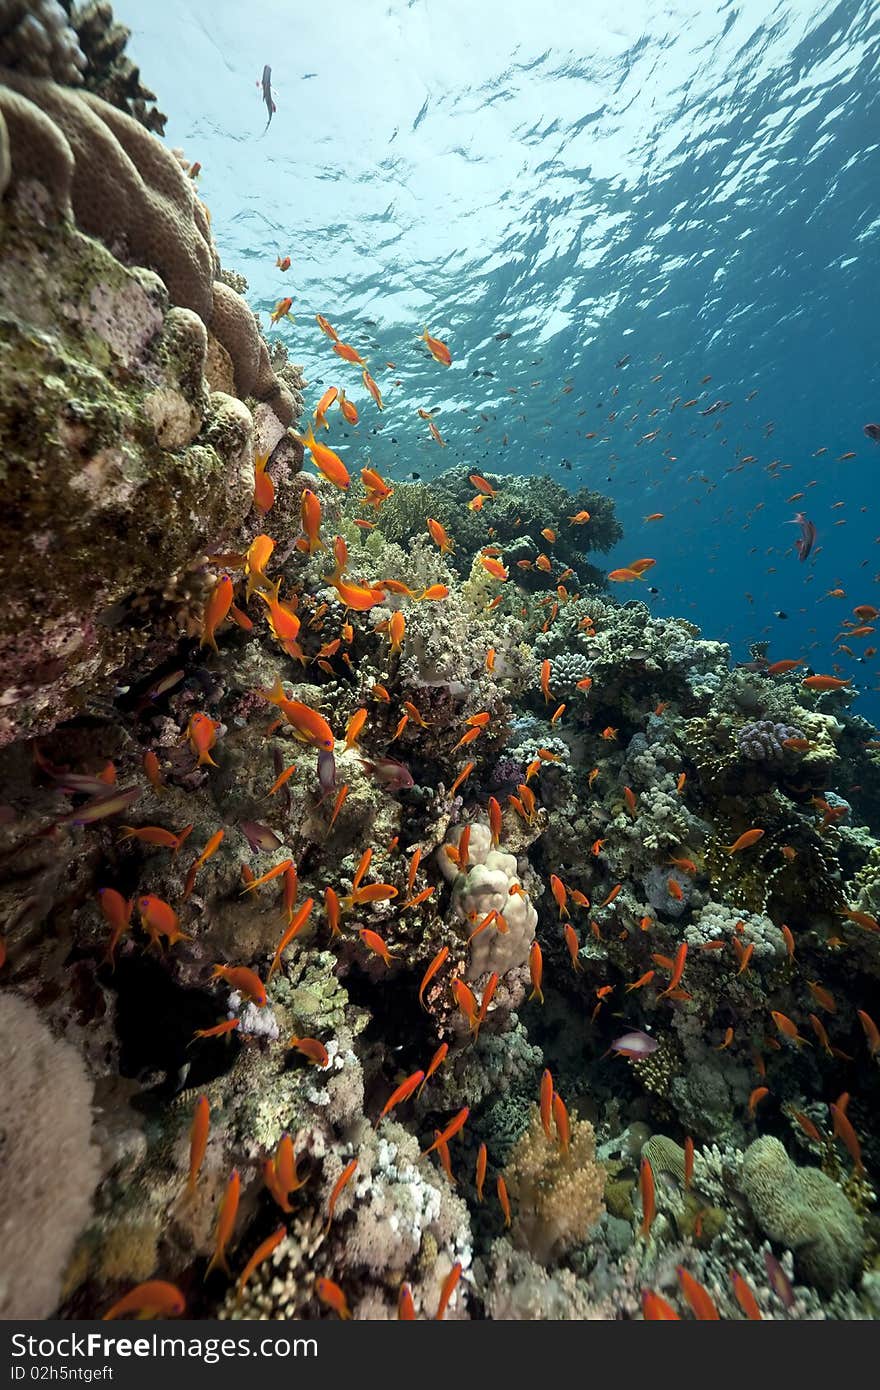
486, 888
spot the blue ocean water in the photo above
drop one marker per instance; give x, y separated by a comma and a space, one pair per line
659, 203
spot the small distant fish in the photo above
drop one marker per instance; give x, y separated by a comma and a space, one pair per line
873, 432
266, 83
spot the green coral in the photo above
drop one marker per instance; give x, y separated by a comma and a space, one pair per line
802, 1209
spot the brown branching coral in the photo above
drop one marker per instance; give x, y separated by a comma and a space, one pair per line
556, 1193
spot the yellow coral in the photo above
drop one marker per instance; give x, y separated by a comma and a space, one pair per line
556, 1195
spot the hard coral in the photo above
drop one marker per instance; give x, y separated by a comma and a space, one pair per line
763, 740
804, 1210
48, 1165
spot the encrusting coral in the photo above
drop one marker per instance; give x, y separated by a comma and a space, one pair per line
45, 1137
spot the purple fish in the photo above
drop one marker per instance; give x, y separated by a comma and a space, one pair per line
326, 772
102, 808
259, 836
807, 538
779, 1280
390, 774
873, 432
633, 1044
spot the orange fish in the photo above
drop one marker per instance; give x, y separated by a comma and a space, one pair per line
823, 997
438, 350
377, 490
159, 919
402, 1092
493, 567
225, 1223
503, 1198
745, 841
756, 1097
202, 734
310, 520
331, 1296
436, 1061
536, 970
871, 1032
219, 1030
439, 536
699, 1301
373, 389
787, 1028
281, 311
262, 1252
217, 607
264, 488
646, 1187
454, 1127
609, 734
406, 1309
313, 1050
326, 328
641, 981
779, 668
374, 943
436, 964
480, 1176
243, 981
348, 408
116, 911
198, 1140
744, 1297
462, 777
345, 1176
573, 944
465, 1000
844, 1130
824, 683
295, 926
328, 464
348, 353
283, 262
656, 1309
307, 724
688, 1161
448, 1289
153, 1299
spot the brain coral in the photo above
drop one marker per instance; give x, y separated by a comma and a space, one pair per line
48, 1166
804, 1210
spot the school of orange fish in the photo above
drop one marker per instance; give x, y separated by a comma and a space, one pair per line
245, 592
